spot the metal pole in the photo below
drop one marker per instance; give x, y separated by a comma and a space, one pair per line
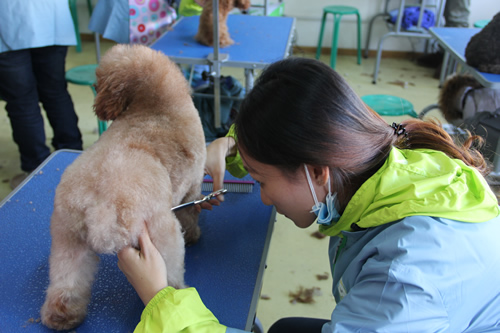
216, 64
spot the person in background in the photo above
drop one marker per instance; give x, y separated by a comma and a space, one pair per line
191, 7
132, 21
194, 72
34, 39
456, 14
412, 222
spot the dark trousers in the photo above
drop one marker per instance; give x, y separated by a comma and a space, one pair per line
28, 77
298, 325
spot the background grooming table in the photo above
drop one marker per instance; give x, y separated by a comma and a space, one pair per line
258, 42
454, 41
225, 266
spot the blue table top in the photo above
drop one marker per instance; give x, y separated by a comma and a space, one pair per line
225, 266
455, 41
259, 41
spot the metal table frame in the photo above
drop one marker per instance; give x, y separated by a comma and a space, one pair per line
259, 41
454, 41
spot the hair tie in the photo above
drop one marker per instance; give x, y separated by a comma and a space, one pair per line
399, 129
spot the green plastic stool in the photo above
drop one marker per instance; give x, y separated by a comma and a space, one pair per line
74, 15
85, 75
337, 12
388, 105
481, 23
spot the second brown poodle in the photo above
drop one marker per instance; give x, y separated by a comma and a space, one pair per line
205, 33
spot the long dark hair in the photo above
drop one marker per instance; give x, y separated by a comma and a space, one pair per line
302, 111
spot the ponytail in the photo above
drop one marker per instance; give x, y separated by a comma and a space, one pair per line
430, 135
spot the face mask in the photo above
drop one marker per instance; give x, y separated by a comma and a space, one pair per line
326, 213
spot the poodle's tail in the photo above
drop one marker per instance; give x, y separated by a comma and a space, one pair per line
130, 71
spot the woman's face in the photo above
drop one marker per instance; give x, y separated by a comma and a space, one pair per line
289, 194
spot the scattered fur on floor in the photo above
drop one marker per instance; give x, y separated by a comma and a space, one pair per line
318, 234
304, 295
483, 49
205, 33
150, 159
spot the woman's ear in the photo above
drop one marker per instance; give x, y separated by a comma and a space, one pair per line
320, 174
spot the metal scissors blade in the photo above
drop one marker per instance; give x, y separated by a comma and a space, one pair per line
196, 202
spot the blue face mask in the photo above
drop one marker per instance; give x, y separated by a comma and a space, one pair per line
326, 213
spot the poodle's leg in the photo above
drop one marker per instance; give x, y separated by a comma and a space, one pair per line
224, 37
188, 217
166, 234
72, 270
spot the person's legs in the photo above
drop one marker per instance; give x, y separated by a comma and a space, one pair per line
297, 325
456, 13
49, 70
18, 88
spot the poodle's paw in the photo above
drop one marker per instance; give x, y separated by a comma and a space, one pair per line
61, 313
180, 285
225, 42
192, 235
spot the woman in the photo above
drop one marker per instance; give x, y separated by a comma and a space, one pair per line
34, 39
412, 221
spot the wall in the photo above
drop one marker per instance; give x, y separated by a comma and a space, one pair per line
308, 21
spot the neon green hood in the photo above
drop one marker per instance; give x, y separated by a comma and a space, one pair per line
418, 182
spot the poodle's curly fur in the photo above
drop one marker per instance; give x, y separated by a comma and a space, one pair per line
205, 33
483, 49
451, 96
150, 159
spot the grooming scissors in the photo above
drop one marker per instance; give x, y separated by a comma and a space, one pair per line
196, 202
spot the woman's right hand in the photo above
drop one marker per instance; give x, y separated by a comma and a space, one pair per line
215, 165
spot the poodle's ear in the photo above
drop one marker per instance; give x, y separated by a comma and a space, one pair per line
452, 93
112, 97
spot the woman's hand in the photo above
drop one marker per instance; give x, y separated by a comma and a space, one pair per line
215, 166
145, 268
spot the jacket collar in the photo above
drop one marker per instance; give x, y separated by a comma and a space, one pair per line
418, 182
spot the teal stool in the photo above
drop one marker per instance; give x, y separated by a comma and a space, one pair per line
481, 23
85, 75
388, 105
337, 12
74, 16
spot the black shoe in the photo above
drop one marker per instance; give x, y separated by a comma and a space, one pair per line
431, 60
18, 179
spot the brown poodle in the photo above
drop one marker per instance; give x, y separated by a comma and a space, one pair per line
205, 33
483, 49
451, 96
150, 159
462, 97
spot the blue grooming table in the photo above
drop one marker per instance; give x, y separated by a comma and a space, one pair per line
454, 41
258, 41
225, 266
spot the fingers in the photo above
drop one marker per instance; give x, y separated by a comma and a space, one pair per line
218, 179
145, 241
215, 165
127, 252
126, 257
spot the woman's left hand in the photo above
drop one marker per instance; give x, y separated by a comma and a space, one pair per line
144, 268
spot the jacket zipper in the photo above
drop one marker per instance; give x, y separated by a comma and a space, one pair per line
340, 247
